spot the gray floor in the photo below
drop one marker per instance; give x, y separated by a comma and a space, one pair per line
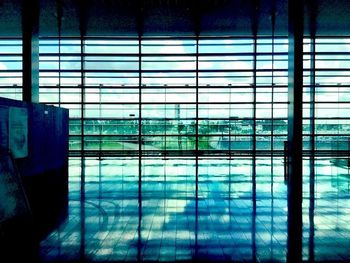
106, 224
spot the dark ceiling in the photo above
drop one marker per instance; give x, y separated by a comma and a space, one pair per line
172, 17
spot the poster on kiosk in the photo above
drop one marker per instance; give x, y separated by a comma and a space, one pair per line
18, 132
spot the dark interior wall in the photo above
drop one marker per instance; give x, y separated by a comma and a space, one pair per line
44, 171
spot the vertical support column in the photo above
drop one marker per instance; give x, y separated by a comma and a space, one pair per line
82, 29
139, 240
254, 84
255, 19
59, 11
197, 146
295, 141
312, 12
273, 24
140, 29
30, 51
197, 30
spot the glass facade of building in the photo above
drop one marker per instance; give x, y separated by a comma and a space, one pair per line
182, 145
171, 96
177, 97
183, 97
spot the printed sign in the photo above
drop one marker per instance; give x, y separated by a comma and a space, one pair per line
18, 132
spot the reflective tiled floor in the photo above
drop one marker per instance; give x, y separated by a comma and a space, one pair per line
222, 222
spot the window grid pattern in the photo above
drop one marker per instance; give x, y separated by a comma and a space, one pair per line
11, 68
168, 99
332, 94
225, 114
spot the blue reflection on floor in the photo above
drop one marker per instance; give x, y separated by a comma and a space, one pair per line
223, 223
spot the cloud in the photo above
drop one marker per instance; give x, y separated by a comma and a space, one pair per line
2, 66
